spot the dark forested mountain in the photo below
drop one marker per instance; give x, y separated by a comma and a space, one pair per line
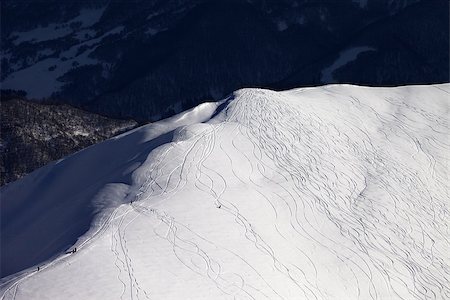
149, 59
315, 168
33, 134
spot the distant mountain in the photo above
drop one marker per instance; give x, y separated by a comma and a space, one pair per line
34, 134
150, 59
334, 192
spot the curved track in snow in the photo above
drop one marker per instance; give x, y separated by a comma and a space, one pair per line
338, 192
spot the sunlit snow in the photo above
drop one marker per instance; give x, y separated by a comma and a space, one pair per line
335, 192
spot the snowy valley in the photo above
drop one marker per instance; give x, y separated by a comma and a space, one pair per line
332, 192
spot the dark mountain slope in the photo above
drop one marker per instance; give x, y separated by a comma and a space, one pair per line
148, 59
411, 47
33, 134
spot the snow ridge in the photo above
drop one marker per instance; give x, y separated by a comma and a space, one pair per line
337, 192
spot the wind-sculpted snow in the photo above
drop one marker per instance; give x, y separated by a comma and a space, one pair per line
338, 192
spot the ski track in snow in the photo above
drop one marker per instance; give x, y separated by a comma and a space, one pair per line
342, 198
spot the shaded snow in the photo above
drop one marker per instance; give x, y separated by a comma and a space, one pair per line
89, 16
85, 34
344, 58
300, 20
80, 132
86, 18
282, 25
41, 79
40, 34
361, 3
152, 31
45, 52
73, 51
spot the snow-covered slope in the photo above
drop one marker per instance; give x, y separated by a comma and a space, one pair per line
336, 192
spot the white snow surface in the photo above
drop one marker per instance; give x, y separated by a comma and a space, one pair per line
334, 192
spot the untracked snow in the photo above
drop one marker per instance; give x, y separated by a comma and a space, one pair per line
336, 192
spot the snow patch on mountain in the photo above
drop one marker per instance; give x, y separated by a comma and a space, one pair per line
89, 16
41, 79
40, 34
344, 58
86, 18
282, 25
85, 34
361, 3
